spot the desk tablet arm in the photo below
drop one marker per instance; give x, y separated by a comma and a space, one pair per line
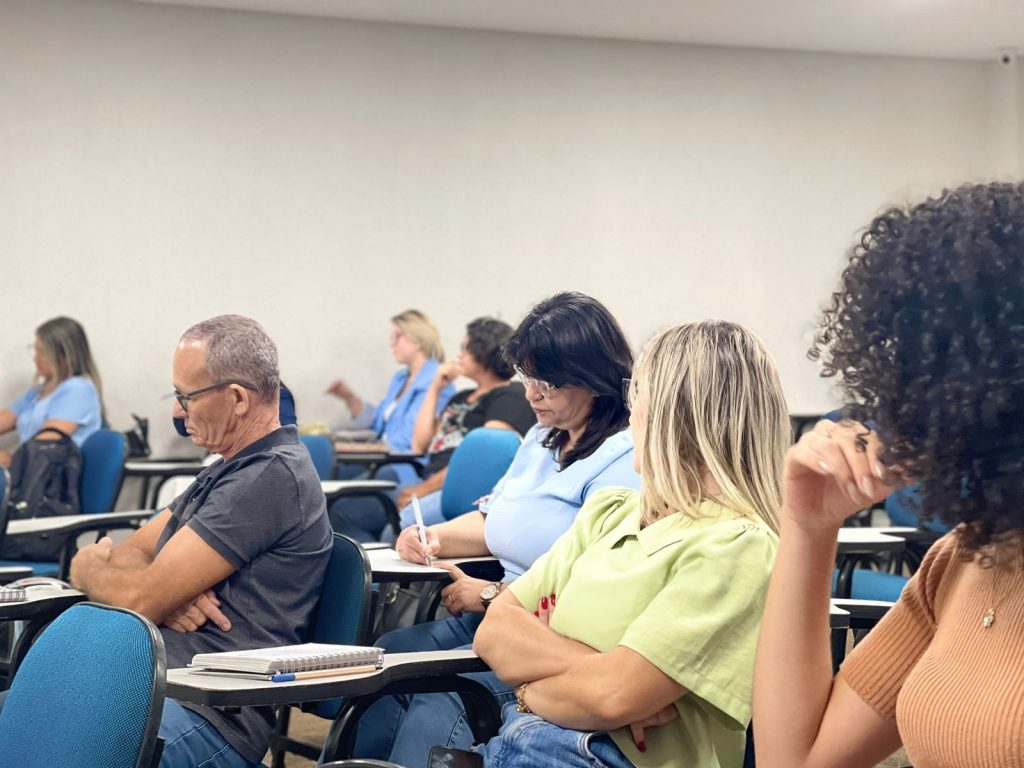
378, 489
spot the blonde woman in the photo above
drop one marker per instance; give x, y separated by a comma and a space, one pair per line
68, 394
416, 346
631, 642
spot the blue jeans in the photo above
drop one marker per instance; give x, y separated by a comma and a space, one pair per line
191, 742
403, 728
529, 741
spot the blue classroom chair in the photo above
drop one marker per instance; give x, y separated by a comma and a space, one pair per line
342, 617
321, 451
476, 466
94, 682
103, 456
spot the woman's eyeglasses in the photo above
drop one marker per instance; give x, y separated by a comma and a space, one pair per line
627, 385
546, 388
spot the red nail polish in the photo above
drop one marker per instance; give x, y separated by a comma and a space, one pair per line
642, 746
552, 599
544, 603
537, 614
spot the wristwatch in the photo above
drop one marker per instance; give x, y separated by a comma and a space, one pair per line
488, 593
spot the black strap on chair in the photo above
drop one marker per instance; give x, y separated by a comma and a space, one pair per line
482, 712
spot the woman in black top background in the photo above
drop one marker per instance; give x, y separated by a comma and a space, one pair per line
495, 402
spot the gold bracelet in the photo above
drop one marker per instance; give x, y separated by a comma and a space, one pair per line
521, 705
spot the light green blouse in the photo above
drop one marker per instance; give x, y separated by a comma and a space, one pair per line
686, 593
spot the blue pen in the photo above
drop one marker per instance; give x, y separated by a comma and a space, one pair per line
287, 677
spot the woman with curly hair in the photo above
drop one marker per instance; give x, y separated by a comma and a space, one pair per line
927, 334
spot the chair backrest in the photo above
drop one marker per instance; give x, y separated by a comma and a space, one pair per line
5, 489
903, 506
90, 692
343, 613
103, 455
321, 450
476, 466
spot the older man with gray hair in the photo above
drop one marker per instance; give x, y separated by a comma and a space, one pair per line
237, 560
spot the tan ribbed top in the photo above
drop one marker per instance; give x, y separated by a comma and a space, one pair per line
955, 688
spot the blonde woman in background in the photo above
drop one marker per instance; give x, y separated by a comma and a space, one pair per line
68, 394
631, 642
416, 346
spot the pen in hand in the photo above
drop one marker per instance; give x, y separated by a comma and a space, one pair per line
418, 513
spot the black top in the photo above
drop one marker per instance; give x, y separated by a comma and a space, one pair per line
265, 513
507, 403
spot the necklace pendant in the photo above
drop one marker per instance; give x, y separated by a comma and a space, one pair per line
989, 619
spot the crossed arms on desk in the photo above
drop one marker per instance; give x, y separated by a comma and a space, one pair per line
171, 588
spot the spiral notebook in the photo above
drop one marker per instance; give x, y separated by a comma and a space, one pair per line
290, 659
12, 594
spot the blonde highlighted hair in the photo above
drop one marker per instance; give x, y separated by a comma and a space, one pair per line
714, 406
65, 347
421, 329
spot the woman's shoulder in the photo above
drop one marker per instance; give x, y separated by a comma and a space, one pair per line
726, 530
608, 507
614, 448
76, 385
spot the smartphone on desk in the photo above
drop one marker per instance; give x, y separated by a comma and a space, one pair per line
445, 757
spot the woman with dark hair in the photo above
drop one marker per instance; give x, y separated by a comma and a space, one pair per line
67, 395
927, 333
574, 357
496, 403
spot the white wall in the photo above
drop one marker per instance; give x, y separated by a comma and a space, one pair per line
159, 165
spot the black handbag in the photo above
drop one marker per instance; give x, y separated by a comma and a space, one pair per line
137, 438
45, 477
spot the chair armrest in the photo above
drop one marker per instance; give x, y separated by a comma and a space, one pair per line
379, 489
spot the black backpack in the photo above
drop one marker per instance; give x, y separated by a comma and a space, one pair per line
44, 483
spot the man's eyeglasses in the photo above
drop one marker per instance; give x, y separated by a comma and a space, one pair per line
183, 398
627, 384
546, 388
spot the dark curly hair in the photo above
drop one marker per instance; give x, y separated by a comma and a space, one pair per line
926, 332
485, 339
572, 340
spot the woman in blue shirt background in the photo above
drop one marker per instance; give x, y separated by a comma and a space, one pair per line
68, 394
416, 346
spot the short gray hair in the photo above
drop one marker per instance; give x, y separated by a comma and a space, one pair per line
239, 348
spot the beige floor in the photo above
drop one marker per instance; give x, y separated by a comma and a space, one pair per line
307, 728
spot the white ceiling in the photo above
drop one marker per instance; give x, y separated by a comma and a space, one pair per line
959, 29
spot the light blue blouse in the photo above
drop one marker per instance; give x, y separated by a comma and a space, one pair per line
75, 399
395, 425
535, 502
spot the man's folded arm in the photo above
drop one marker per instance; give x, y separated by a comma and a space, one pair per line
132, 575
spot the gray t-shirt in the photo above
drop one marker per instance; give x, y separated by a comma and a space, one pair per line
264, 512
